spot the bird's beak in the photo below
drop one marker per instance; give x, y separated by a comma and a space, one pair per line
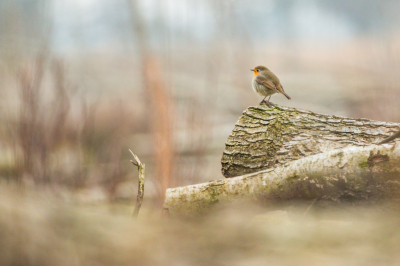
252, 70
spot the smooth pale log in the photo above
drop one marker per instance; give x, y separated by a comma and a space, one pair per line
367, 174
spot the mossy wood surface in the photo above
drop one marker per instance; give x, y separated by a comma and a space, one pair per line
280, 154
268, 137
367, 174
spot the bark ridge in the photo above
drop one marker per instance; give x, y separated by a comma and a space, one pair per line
268, 137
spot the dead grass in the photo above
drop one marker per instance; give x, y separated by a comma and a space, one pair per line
59, 137
42, 228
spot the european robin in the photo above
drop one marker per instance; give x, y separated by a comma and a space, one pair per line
265, 83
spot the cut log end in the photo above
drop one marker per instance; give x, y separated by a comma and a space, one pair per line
265, 137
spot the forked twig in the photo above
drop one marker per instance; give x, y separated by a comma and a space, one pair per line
392, 137
139, 199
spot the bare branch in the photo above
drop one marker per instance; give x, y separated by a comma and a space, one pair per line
141, 169
389, 139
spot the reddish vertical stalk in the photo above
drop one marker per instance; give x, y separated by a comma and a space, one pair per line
160, 101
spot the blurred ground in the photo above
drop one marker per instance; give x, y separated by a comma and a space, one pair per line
44, 228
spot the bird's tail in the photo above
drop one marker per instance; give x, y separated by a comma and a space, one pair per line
287, 96
280, 89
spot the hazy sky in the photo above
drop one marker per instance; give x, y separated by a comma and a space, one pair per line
104, 22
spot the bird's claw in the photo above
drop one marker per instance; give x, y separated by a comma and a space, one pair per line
269, 104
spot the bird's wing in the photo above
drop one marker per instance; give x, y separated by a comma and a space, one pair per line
267, 83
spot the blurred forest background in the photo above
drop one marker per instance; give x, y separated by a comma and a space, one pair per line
83, 80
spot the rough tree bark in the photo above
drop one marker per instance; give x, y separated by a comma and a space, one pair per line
279, 154
269, 137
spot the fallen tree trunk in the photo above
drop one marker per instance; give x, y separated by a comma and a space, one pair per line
266, 137
369, 174
302, 156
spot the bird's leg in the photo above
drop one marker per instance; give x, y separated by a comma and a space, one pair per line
267, 102
263, 100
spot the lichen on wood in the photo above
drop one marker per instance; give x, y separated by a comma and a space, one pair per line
281, 154
342, 175
266, 137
